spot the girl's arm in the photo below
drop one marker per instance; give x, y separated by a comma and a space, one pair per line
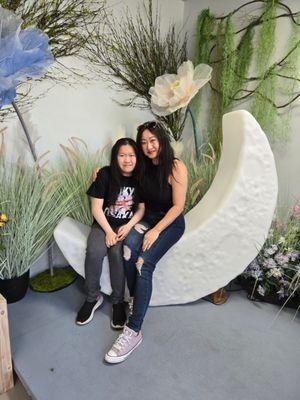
97, 211
178, 181
137, 216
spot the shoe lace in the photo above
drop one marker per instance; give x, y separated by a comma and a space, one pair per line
123, 340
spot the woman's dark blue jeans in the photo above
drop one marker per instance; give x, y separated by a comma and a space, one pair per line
139, 265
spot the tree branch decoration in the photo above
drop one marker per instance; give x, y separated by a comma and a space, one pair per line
65, 22
232, 54
130, 54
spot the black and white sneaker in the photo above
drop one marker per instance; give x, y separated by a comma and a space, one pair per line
118, 316
86, 313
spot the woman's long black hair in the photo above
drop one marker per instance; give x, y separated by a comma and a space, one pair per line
115, 171
166, 156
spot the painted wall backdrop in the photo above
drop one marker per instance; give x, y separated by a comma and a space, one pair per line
86, 109
286, 154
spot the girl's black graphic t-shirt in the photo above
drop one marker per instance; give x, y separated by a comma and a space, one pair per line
122, 211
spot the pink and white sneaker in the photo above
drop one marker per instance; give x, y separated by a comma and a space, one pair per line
123, 346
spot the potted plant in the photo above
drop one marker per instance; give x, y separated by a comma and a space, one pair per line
274, 275
34, 204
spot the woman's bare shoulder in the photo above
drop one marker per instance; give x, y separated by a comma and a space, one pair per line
179, 172
179, 167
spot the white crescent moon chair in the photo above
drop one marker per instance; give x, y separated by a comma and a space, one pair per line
224, 231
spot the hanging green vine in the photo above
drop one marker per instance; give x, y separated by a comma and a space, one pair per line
263, 100
243, 61
290, 84
266, 38
228, 75
204, 35
218, 44
214, 124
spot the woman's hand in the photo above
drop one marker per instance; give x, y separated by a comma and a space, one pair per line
149, 238
111, 238
123, 231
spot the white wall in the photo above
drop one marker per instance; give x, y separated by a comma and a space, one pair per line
86, 110
286, 155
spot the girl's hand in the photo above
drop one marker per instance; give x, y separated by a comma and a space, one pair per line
149, 238
123, 232
111, 239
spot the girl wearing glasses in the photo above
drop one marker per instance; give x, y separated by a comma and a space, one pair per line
163, 181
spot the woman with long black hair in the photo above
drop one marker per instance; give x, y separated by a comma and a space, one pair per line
163, 181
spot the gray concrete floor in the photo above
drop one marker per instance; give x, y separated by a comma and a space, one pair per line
237, 351
18, 392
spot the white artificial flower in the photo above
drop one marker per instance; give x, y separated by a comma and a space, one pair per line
172, 92
271, 232
276, 272
261, 290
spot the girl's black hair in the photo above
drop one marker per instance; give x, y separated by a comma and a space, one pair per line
115, 171
166, 156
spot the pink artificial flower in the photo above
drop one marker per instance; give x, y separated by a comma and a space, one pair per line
296, 211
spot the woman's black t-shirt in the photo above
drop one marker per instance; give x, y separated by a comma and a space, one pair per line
122, 211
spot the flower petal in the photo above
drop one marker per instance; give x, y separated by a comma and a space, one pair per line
23, 53
202, 71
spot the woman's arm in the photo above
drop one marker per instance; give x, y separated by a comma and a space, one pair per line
95, 173
178, 181
97, 211
137, 216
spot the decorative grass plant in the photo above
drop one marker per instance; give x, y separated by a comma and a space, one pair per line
74, 175
71, 178
200, 176
34, 206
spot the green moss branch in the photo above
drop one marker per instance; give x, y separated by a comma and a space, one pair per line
283, 5
277, 81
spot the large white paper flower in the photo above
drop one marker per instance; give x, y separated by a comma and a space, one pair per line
172, 92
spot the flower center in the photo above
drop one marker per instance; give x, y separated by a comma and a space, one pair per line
175, 84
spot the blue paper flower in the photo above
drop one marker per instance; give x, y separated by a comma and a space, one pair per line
24, 53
